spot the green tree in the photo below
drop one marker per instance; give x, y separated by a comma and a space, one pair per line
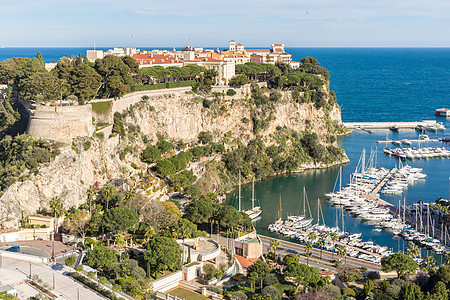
56, 207
116, 76
185, 229
429, 264
165, 168
100, 257
205, 137
412, 250
399, 262
321, 244
119, 219
84, 82
272, 291
70, 261
239, 80
368, 287
150, 155
118, 124
447, 258
303, 274
163, 254
438, 292
199, 211
308, 249
77, 222
260, 268
334, 238
411, 291
228, 216
274, 244
40, 87
341, 251
290, 258
164, 146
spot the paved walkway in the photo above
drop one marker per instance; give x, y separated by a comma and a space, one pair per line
15, 272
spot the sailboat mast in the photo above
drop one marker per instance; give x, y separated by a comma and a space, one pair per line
304, 202
318, 211
253, 194
280, 210
404, 209
239, 196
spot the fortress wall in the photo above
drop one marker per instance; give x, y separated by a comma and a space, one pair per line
60, 123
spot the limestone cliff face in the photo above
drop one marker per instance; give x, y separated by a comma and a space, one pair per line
183, 117
67, 177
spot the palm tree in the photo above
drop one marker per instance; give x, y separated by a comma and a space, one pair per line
412, 250
312, 236
129, 196
429, 264
108, 193
335, 238
447, 259
341, 251
321, 244
56, 207
308, 249
274, 244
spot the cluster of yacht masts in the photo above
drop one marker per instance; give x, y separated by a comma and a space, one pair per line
424, 233
301, 227
418, 153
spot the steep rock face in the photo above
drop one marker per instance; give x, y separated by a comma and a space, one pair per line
67, 177
184, 117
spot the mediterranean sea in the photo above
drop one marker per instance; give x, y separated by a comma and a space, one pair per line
371, 84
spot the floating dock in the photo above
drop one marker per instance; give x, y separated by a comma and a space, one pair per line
386, 125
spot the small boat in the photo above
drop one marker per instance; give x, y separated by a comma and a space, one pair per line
397, 143
443, 112
406, 142
393, 128
423, 137
419, 128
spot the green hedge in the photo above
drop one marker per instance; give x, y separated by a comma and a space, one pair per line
155, 86
102, 108
95, 286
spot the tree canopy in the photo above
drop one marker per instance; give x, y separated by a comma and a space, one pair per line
400, 263
163, 253
119, 219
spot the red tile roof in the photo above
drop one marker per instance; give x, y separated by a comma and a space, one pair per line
245, 262
257, 50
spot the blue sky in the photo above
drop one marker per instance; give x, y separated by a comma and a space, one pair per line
169, 23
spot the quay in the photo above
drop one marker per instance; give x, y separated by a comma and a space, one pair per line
386, 125
383, 182
412, 141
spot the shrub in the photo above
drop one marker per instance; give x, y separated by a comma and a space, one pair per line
348, 292
214, 289
70, 261
103, 280
86, 145
373, 275
231, 92
393, 291
91, 274
333, 291
238, 296
79, 268
272, 291
270, 279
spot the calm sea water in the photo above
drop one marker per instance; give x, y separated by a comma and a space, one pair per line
371, 84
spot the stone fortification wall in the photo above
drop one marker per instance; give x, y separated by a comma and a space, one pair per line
60, 123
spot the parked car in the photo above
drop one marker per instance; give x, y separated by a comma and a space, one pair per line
13, 249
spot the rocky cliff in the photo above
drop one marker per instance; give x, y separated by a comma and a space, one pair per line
179, 115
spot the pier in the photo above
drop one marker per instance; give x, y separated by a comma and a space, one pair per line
412, 141
386, 125
383, 182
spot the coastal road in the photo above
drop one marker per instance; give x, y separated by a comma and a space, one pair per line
297, 249
14, 272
